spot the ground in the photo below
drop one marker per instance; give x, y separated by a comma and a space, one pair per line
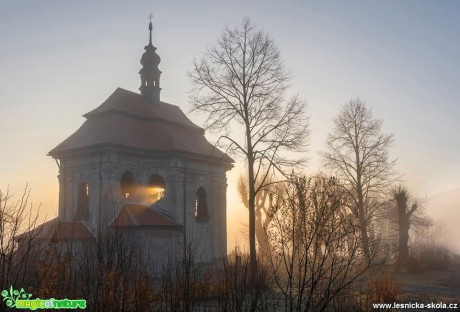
431, 286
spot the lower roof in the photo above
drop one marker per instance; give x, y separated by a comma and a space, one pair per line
59, 230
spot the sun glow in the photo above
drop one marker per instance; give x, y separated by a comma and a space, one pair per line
156, 193
147, 195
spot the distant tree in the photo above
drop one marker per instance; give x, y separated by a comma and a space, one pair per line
407, 218
240, 85
358, 152
263, 212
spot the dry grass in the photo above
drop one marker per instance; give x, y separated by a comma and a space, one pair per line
430, 255
383, 289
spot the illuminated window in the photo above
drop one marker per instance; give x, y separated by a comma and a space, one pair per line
83, 202
127, 185
157, 187
201, 206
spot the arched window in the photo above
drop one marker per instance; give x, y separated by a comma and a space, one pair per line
156, 187
127, 185
83, 202
201, 206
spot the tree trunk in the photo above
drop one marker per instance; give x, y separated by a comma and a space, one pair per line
363, 222
251, 199
364, 236
252, 214
260, 232
403, 226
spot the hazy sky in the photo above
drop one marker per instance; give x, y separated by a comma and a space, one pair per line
60, 59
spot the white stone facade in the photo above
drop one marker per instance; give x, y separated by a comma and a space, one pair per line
102, 169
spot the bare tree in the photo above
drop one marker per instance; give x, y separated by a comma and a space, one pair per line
407, 219
240, 287
316, 249
358, 152
17, 251
111, 272
240, 84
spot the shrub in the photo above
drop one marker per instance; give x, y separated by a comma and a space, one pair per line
239, 286
430, 255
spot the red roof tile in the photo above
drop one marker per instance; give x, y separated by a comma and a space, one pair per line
140, 215
127, 119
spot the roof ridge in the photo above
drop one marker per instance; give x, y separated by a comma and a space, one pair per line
130, 214
162, 212
87, 227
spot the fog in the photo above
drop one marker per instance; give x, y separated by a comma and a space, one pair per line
444, 208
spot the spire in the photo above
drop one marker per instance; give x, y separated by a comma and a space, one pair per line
150, 27
150, 73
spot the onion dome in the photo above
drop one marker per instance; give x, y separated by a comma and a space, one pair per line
150, 73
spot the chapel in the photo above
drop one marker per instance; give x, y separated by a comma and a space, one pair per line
138, 164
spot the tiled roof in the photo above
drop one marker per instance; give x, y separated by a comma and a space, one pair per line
140, 215
134, 104
126, 119
60, 230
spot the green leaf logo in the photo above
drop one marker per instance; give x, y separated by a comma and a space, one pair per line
12, 296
